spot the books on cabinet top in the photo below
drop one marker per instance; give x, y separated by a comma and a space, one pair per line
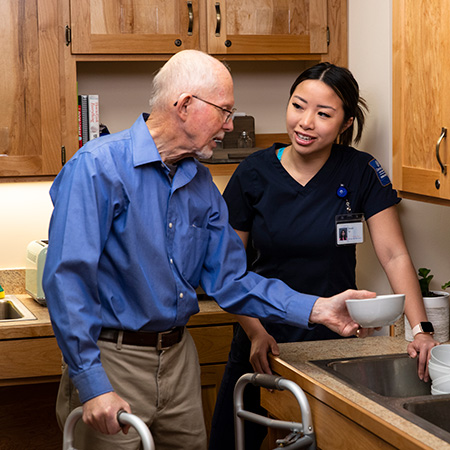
88, 118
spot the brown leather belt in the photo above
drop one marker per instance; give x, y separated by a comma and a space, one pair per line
161, 341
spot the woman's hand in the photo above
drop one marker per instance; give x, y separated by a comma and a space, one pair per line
420, 348
262, 344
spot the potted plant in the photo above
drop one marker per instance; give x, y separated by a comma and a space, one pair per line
424, 281
436, 305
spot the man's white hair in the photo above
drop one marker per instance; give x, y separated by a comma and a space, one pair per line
189, 71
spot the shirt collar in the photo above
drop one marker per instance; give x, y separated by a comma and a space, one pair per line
145, 152
144, 148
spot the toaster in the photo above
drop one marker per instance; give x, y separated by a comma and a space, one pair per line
35, 262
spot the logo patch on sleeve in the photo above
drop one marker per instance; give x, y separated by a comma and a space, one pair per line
381, 174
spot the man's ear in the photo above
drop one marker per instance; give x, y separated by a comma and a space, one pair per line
182, 105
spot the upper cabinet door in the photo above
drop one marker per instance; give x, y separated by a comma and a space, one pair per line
30, 113
267, 26
134, 26
421, 87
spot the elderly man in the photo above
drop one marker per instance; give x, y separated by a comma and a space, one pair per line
137, 225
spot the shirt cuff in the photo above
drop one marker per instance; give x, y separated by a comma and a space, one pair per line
92, 383
299, 309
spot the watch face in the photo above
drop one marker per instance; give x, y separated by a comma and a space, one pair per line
427, 327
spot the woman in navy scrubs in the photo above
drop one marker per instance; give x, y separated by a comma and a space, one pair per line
291, 205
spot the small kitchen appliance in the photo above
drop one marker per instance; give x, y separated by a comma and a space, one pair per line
35, 262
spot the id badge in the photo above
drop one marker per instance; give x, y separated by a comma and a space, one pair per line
349, 229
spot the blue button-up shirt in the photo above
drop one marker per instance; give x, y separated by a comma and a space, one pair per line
128, 246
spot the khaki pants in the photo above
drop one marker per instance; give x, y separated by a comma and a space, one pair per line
162, 388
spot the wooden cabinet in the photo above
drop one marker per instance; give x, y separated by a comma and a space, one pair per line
266, 26
30, 116
213, 345
421, 82
133, 27
44, 40
222, 27
29, 378
332, 428
43, 359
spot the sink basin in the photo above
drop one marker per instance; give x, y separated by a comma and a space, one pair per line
392, 381
12, 309
387, 375
435, 410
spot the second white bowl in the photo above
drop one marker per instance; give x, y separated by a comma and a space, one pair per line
437, 370
441, 355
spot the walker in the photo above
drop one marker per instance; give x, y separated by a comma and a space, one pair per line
302, 434
124, 419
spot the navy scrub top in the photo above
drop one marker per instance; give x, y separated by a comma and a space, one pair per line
292, 227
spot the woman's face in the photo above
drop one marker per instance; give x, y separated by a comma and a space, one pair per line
314, 118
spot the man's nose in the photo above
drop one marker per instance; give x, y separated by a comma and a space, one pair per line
228, 126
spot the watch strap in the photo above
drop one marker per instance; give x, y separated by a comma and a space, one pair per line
418, 329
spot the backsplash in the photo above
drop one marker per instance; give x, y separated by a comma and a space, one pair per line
13, 281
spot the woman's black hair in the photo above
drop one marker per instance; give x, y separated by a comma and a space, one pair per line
346, 88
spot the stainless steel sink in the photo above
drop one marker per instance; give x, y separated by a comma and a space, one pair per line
435, 410
12, 309
392, 381
387, 375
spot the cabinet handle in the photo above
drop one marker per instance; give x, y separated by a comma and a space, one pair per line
442, 136
191, 18
218, 19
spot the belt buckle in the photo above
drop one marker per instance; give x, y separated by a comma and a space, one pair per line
159, 339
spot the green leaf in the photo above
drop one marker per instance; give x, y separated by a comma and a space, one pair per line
423, 272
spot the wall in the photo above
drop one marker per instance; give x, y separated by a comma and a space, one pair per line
25, 209
261, 90
425, 225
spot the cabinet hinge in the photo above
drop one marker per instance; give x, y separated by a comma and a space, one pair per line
68, 35
328, 36
63, 155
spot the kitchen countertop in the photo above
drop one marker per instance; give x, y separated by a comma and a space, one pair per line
210, 313
317, 382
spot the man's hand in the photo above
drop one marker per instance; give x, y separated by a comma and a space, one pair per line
101, 413
332, 312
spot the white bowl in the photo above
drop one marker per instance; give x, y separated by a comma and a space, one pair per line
442, 384
378, 311
441, 355
435, 391
437, 370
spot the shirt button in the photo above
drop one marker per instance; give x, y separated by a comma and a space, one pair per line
171, 261
181, 295
170, 225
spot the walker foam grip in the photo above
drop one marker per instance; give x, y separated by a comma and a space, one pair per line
266, 381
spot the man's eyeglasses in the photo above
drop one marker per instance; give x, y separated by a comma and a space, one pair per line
229, 114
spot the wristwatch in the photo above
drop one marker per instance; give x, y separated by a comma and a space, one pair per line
423, 327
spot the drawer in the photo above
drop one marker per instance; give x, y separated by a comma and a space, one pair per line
25, 358
213, 343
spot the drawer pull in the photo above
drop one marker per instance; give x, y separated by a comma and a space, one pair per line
218, 19
191, 18
442, 136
